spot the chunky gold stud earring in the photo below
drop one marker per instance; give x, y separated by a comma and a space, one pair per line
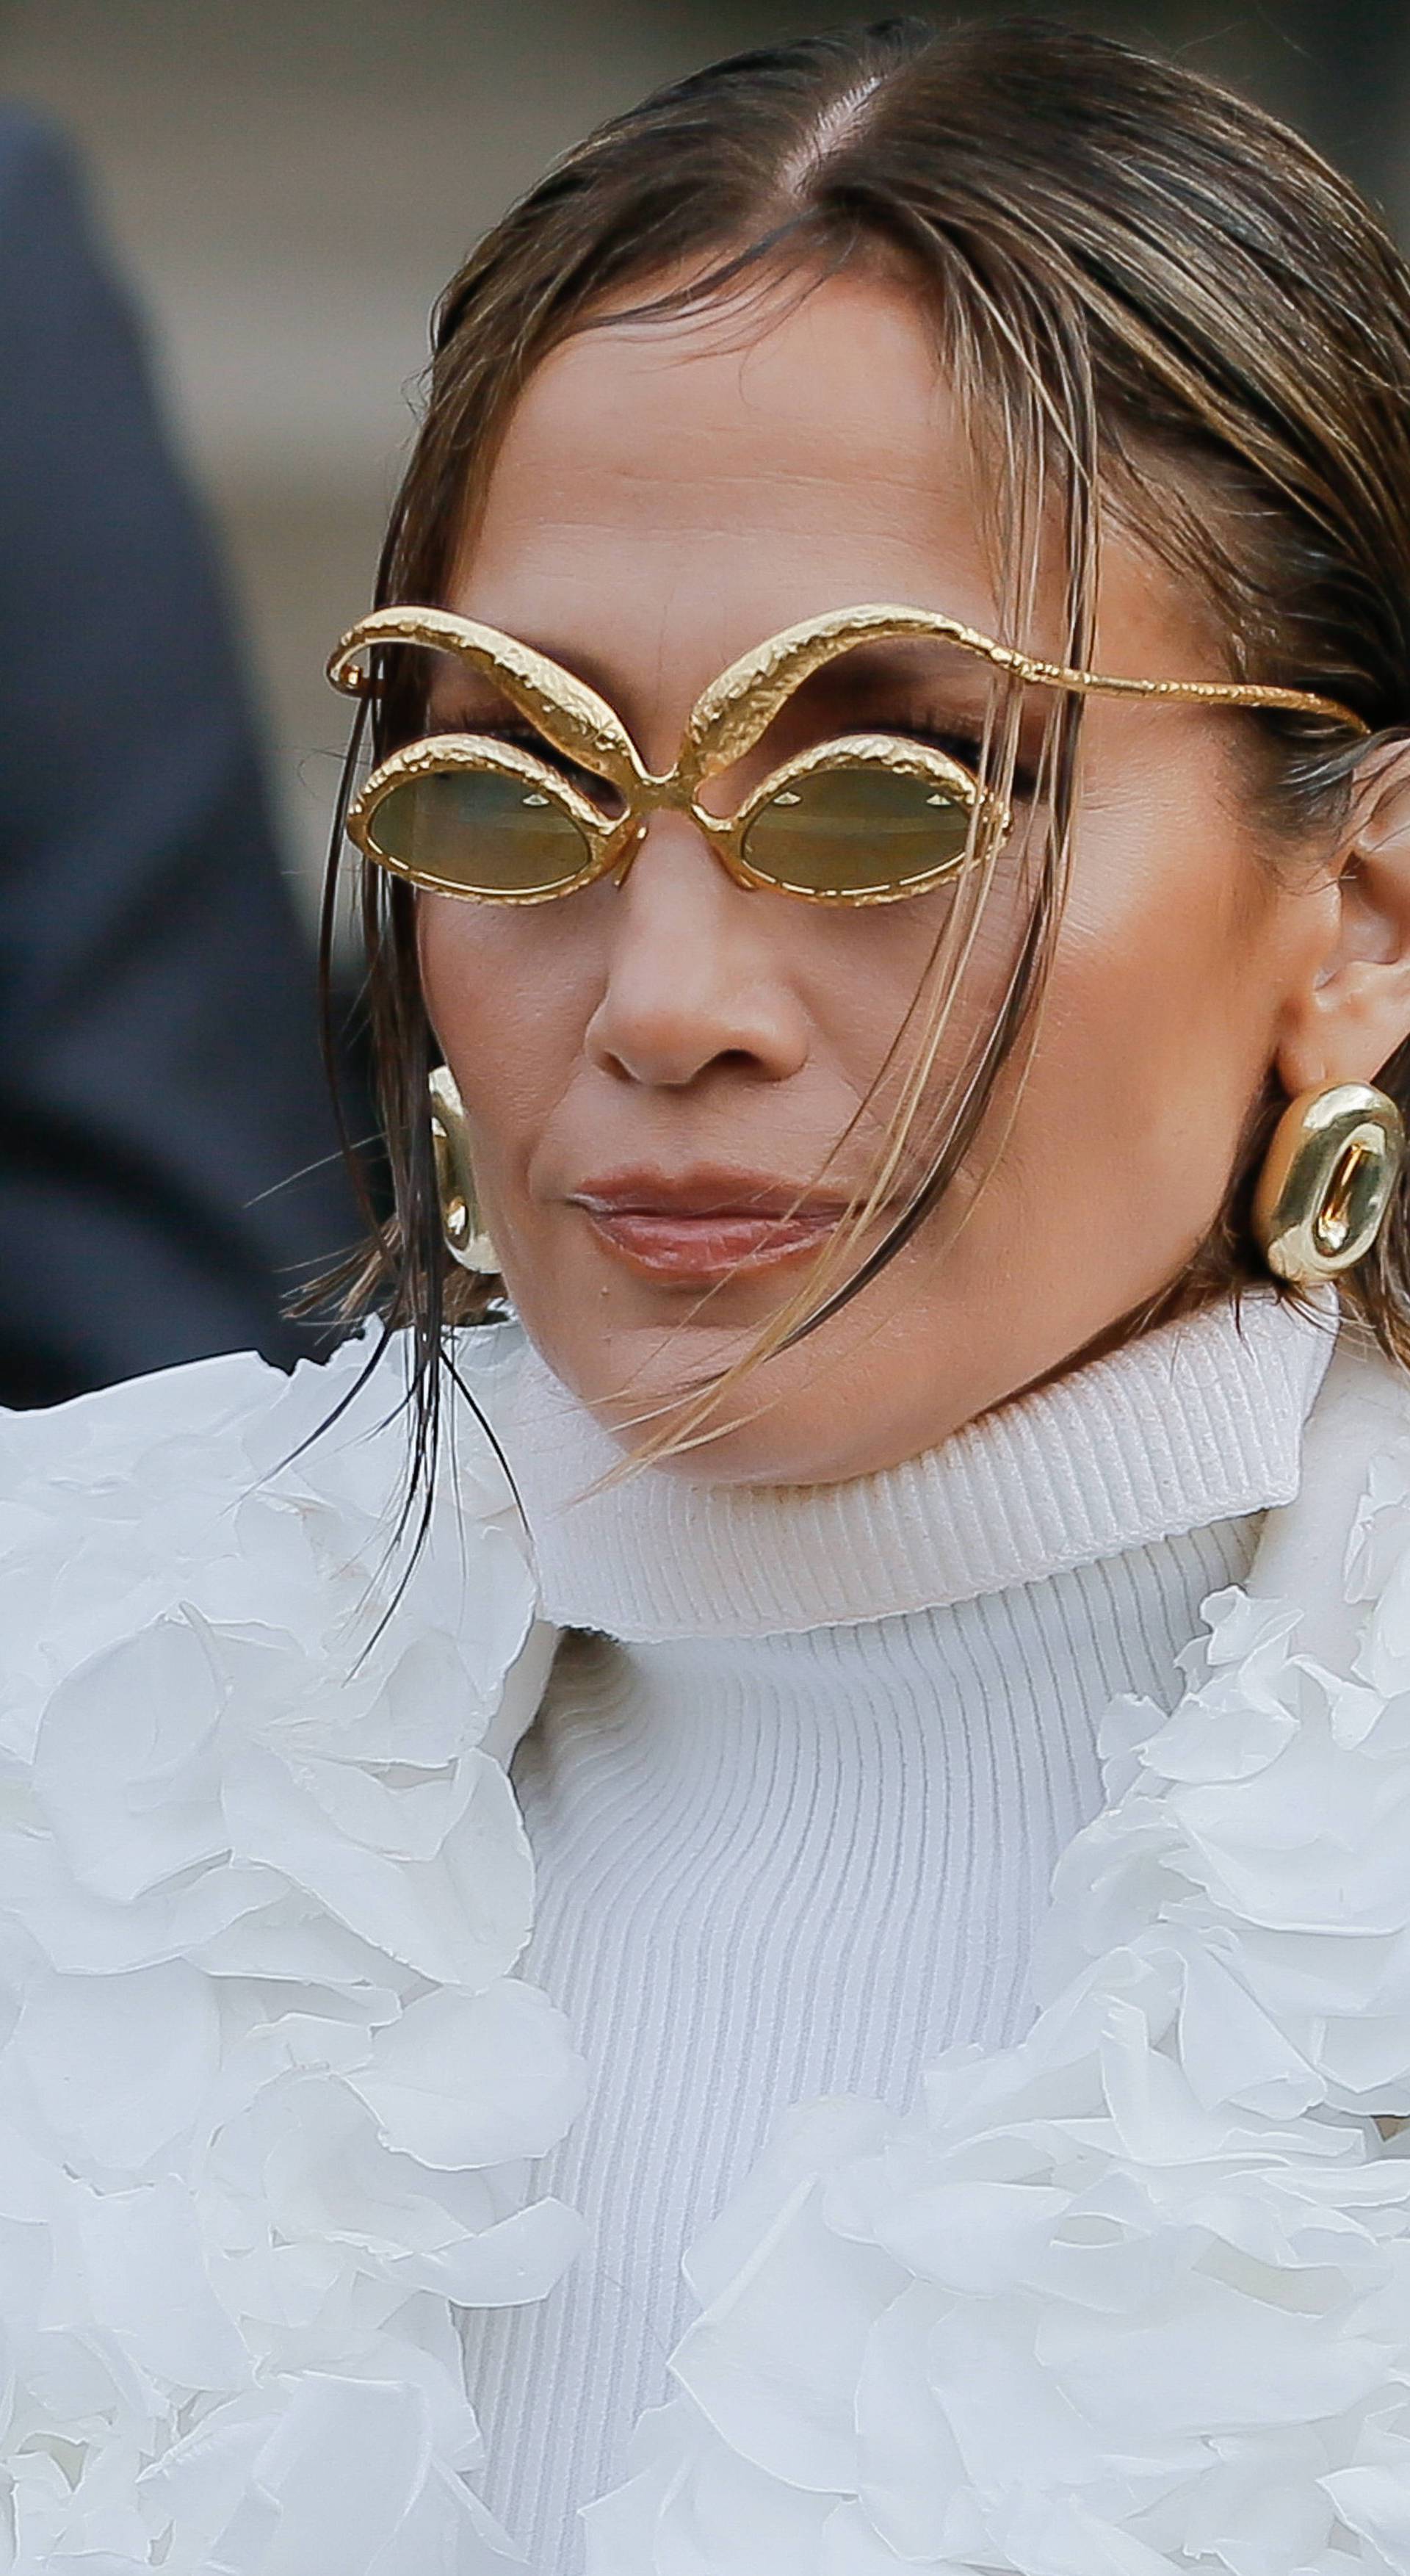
466, 1239
1328, 1180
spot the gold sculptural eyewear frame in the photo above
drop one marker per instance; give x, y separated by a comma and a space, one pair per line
726, 722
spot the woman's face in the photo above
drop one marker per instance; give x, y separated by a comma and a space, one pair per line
654, 1070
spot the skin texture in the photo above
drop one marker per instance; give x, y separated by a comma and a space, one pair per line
665, 498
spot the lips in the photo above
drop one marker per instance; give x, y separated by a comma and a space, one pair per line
700, 1227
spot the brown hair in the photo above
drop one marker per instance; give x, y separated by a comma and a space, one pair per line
1171, 306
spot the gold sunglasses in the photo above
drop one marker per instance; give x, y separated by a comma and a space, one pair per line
866, 818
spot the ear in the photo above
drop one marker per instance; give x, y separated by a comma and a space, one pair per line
1352, 1010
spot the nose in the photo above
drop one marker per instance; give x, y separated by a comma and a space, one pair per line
697, 971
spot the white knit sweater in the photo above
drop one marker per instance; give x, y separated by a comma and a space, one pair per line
795, 1804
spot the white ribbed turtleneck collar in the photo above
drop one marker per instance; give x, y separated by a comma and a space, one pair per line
1198, 1422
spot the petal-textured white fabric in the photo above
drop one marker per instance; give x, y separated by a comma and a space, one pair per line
1133, 2295
267, 2085
1129, 2297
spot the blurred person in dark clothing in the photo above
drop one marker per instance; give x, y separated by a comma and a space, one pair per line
159, 1076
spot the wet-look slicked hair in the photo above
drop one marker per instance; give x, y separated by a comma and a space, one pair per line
1155, 303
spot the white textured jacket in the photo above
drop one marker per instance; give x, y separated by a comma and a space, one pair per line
1130, 2297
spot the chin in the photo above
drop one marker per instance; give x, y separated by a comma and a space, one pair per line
782, 1426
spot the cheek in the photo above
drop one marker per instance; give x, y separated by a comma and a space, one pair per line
1160, 1014
867, 976
508, 997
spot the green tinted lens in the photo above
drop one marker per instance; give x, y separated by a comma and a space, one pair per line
858, 831
476, 831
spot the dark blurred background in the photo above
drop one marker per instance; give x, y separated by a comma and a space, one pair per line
287, 183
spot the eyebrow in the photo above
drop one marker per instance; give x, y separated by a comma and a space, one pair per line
456, 709
900, 663
874, 667
584, 666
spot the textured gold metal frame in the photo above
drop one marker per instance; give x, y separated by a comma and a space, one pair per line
725, 723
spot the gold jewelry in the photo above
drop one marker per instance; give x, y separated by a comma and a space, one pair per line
1328, 1180
867, 818
466, 1239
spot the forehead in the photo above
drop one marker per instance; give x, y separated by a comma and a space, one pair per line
668, 494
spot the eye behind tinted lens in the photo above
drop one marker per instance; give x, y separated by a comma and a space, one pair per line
477, 832
856, 831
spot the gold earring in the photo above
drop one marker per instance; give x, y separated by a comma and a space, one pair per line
466, 1239
1328, 1179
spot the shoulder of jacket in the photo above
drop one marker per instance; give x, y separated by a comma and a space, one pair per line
227, 1493
273, 2087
